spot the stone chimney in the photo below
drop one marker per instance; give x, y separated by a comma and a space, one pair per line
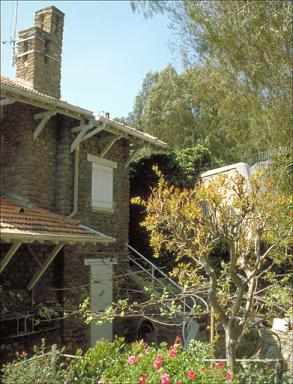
38, 63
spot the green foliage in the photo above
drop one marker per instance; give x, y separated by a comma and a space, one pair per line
136, 363
96, 361
118, 363
257, 374
281, 170
182, 168
42, 368
251, 219
234, 96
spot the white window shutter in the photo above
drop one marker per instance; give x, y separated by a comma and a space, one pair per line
102, 186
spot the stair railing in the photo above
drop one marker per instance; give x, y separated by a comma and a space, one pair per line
151, 272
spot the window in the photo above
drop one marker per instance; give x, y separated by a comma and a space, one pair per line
102, 182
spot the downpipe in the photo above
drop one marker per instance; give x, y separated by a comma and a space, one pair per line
75, 184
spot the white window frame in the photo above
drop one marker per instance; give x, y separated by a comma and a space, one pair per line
102, 168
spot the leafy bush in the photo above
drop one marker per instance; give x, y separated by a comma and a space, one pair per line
42, 368
137, 363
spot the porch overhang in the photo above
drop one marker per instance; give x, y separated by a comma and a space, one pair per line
20, 225
27, 237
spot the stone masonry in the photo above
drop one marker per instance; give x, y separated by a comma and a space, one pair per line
39, 52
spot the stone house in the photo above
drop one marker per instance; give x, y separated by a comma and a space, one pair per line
64, 200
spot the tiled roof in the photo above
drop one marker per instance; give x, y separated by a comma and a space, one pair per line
19, 86
17, 221
22, 86
20, 91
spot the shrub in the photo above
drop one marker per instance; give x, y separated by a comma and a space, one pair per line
42, 368
139, 363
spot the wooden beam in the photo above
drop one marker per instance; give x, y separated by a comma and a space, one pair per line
34, 255
44, 267
41, 115
78, 127
4, 102
95, 131
10, 253
79, 137
109, 146
46, 116
133, 153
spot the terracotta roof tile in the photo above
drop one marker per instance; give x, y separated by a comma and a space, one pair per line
18, 220
18, 85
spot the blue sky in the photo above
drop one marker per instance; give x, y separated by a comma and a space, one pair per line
107, 50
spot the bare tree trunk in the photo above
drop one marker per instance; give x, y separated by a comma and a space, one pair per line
230, 344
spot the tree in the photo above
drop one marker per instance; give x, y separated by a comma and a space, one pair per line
251, 219
234, 95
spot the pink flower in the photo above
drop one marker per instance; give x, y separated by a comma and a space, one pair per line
177, 339
165, 378
220, 365
159, 358
101, 382
191, 375
142, 378
157, 365
229, 376
131, 360
172, 352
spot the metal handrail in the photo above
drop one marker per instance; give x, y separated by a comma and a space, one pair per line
152, 275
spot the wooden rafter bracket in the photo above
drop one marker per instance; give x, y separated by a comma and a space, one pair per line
44, 266
82, 129
45, 116
10, 253
131, 156
109, 145
95, 131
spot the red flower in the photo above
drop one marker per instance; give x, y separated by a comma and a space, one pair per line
220, 365
229, 376
172, 352
177, 339
191, 375
142, 378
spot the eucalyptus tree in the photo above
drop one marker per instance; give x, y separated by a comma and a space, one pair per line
234, 94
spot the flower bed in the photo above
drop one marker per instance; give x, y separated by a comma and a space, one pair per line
137, 363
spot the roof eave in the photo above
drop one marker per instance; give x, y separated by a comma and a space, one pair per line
54, 238
31, 98
43, 101
125, 129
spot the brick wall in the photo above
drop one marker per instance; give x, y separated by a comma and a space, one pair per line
113, 224
41, 173
15, 297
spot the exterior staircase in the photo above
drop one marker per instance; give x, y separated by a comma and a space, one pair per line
160, 281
